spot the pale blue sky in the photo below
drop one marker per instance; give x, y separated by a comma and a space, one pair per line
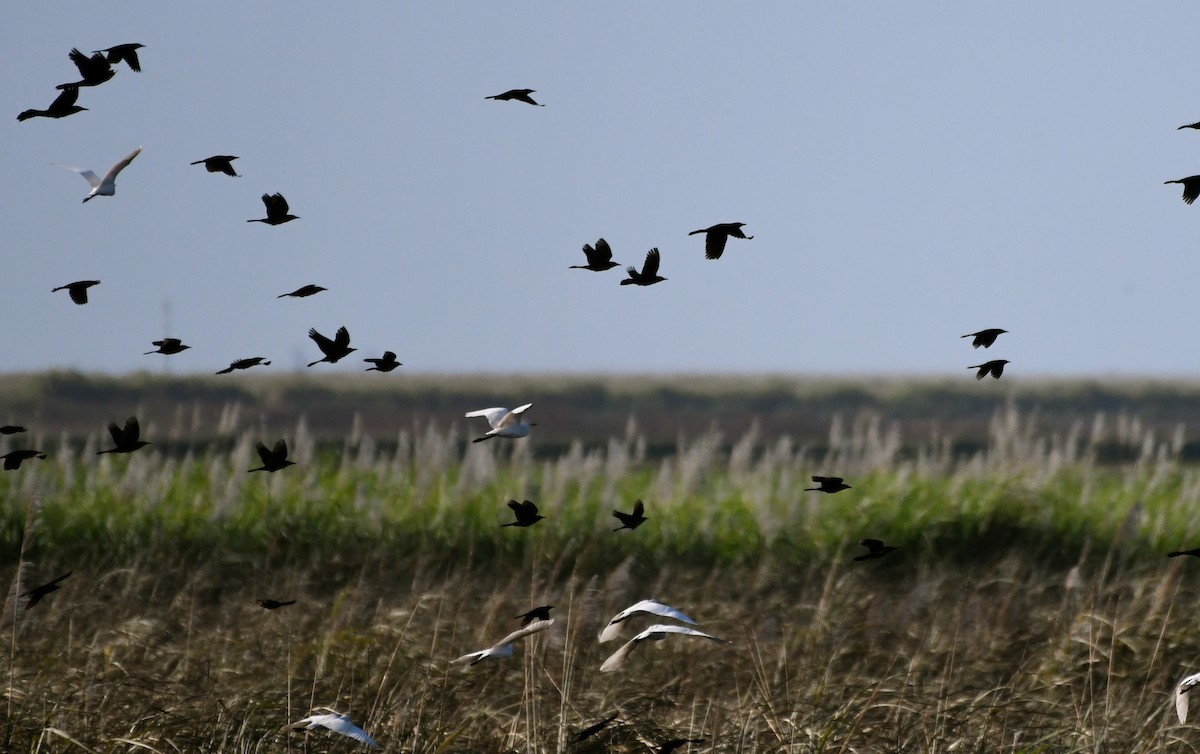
911, 172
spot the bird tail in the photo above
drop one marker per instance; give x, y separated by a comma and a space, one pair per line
318, 361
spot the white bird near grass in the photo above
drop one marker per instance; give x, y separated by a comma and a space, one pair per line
504, 647
505, 423
336, 722
657, 632
614, 627
106, 186
1181, 695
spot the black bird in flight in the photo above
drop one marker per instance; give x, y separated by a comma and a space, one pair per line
677, 743
985, 338
168, 346
538, 613
995, 367
631, 520
220, 163
94, 70
273, 459
875, 549
245, 364
35, 595
599, 259
716, 236
126, 52
520, 95
304, 290
273, 604
11, 429
62, 106
77, 290
126, 440
386, 364
277, 210
526, 513
828, 484
1195, 552
335, 349
649, 274
13, 458
595, 728
1191, 187
1195, 125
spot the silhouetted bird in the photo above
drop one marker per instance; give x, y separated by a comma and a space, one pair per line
62, 106
994, 367
126, 52
1195, 552
828, 484
520, 95
35, 595
386, 364
245, 364
875, 549
985, 338
599, 259
717, 235
526, 513
334, 350
657, 632
631, 520
336, 722
677, 743
538, 613
11, 429
277, 210
649, 274
273, 459
126, 440
77, 290
221, 163
13, 458
304, 290
106, 186
595, 728
94, 70
504, 647
273, 604
168, 346
504, 423
1195, 125
1191, 187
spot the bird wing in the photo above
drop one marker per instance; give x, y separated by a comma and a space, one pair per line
493, 415
389, 356
169, 342
516, 507
276, 204
529, 508
613, 629
340, 724
131, 58
523, 631
92, 179
264, 453
510, 417
325, 344
280, 451
638, 509
132, 430
342, 337
874, 545
714, 244
111, 175
617, 659
81, 61
116, 433
65, 99
471, 657
650, 268
1182, 692
78, 293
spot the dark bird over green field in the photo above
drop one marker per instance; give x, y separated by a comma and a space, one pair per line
631, 520
386, 364
649, 274
303, 291
245, 364
13, 458
277, 210
273, 604
526, 513
1195, 552
35, 595
62, 106
1191, 187
599, 258
520, 95
94, 70
875, 549
221, 163
126, 52
994, 367
717, 235
273, 459
168, 346
828, 484
985, 338
126, 440
77, 290
538, 613
336, 349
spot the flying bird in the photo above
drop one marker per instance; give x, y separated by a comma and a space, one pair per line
875, 549
1195, 125
62, 106
220, 163
1181, 695
13, 458
273, 604
504, 423
520, 95
717, 235
335, 350
595, 728
277, 210
10, 429
106, 186
168, 346
649, 274
386, 364
828, 484
677, 743
650, 607
1195, 552
126, 440
126, 52
1191, 187
94, 70
35, 595
995, 367
77, 290
336, 722
273, 459
599, 258
631, 520
538, 613
303, 291
657, 632
504, 647
985, 338
526, 513
245, 364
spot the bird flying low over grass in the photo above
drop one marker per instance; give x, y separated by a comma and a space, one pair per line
650, 607
11, 429
594, 728
336, 722
875, 549
649, 274
13, 458
526, 513
985, 338
35, 595
273, 459
677, 743
1195, 552
520, 95
106, 186
220, 163
245, 364
994, 367
1191, 187
62, 106
385, 364
1182, 692
94, 70
504, 647
273, 604
599, 258
541, 612
631, 520
126, 52
168, 346
504, 422
336, 349
303, 291
77, 290
717, 235
126, 440
657, 632
277, 210
828, 484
